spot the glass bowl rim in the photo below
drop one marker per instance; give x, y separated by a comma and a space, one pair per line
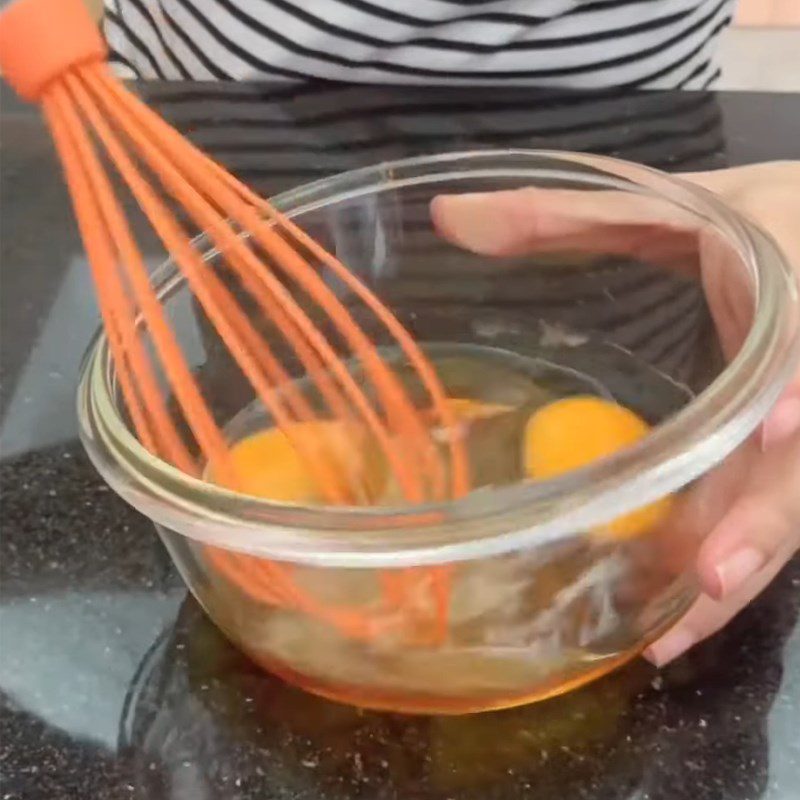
492, 521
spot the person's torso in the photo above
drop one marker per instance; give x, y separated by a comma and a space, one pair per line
568, 43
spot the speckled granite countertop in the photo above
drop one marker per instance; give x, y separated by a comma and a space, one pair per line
112, 683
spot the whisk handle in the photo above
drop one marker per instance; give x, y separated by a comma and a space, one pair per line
40, 40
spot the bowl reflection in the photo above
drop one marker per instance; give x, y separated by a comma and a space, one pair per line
202, 721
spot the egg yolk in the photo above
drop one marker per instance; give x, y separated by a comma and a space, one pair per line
562, 436
267, 464
574, 432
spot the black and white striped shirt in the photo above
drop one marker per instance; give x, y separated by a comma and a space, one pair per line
585, 44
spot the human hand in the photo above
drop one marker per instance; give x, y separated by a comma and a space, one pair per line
758, 529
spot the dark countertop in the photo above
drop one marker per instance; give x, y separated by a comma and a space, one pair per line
112, 683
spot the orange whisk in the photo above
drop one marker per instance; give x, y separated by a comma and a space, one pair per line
52, 52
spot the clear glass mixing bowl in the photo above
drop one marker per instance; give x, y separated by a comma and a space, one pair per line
635, 286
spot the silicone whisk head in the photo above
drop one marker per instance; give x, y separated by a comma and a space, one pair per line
51, 52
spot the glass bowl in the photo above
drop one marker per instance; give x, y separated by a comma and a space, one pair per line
631, 285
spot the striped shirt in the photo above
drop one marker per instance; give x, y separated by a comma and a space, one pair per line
584, 44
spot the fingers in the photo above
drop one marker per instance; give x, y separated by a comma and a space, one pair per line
707, 615
762, 521
515, 222
520, 221
496, 223
647, 229
753, 539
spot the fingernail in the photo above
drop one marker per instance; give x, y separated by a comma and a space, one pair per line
783, 421
670, 646
734, 571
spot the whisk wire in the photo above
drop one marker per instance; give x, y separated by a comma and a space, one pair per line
214, 297
394, 398
270, 581
109, 241
192, 159
283, 273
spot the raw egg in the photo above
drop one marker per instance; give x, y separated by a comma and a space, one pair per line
576, 431
267, 464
